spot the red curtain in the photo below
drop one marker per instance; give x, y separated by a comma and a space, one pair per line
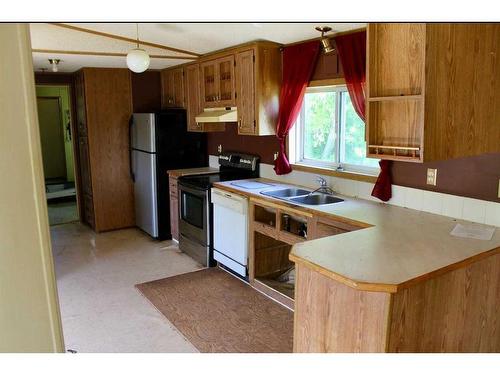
298, 65
351, 49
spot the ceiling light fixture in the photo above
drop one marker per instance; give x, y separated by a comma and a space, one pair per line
325, 41
138, 59
54, 63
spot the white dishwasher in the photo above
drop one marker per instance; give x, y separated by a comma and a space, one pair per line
230, 213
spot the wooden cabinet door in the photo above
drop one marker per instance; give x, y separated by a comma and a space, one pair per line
83, 149
245, 92
192, 95
81, 118
209, 84
178, 87
167, 89
225, 70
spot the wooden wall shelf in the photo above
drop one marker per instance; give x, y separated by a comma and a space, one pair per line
395, 97
431, 86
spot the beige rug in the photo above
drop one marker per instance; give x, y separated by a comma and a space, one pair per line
218, 313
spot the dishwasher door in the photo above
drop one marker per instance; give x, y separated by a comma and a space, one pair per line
230, 230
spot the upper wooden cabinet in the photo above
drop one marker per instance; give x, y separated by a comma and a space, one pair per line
192, 89
217, 82
432, 91
258, 84
248, 77
172, 83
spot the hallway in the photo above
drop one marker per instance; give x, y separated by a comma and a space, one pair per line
100, 307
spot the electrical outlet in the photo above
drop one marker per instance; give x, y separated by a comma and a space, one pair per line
219, 149
275, 155
432, 176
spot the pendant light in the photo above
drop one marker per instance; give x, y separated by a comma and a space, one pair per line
138, 59
325, 41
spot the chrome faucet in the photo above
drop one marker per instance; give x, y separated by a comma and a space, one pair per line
323, 188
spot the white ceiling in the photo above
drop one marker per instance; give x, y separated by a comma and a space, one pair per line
199, 38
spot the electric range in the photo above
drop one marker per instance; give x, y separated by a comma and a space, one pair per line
195, 208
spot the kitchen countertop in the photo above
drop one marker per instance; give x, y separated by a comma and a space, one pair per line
398, 248
191, 171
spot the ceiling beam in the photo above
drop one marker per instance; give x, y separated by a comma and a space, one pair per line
92, 53
125, 39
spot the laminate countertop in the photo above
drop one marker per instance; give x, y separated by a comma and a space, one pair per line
176, 173
397, 248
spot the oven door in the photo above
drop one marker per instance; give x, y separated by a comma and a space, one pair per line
193, 212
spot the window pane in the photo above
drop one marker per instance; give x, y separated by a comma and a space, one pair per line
319, 126
353, 140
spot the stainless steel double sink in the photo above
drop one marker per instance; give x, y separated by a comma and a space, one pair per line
302, 196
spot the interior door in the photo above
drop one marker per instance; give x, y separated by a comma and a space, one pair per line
52, 137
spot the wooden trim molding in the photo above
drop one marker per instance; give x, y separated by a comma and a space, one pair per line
94, 53
123, 38
334, 173
327, 82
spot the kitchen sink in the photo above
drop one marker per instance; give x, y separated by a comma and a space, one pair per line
317, 199
286, 193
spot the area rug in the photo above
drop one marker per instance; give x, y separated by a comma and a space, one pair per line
218, 313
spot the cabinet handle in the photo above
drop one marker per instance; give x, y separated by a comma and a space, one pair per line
239, 123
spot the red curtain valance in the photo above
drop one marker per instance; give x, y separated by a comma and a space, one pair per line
298, 65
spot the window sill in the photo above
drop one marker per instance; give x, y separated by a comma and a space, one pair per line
330, 172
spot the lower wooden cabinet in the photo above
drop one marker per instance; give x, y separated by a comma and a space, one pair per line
174, 208
273, 230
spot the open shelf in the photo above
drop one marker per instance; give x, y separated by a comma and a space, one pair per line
395, 98
265, 215
293, 225
396, 130
273, 269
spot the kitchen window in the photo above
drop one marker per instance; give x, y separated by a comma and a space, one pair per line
329, 134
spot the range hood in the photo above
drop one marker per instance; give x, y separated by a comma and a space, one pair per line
222, 114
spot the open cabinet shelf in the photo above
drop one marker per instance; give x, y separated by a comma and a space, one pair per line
429, 90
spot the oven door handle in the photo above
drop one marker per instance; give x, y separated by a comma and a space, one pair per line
199, 193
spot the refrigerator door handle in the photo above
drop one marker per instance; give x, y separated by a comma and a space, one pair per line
131, 168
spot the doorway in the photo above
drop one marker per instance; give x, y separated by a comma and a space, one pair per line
54, 114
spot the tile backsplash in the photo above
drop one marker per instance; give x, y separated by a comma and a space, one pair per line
475, 210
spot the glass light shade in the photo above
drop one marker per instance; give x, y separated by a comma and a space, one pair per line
138, 60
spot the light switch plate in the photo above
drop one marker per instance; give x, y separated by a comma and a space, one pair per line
219, 149
432, 176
